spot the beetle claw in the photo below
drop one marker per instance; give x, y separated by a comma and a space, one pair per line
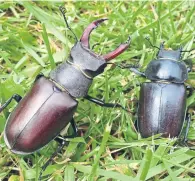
128, 40
86, 34
122, 47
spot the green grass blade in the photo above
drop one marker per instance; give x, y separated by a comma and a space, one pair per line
46, 40
102, 172
145, 166
101, 150
29, 49
69, 173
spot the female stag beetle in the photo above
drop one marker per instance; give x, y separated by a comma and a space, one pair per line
162, 101
50, 104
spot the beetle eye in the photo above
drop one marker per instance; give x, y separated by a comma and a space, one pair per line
56, 89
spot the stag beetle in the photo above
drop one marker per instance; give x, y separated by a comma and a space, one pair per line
50, 104
162, 101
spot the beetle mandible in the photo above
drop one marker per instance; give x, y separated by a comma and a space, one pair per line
50, 104
162, 101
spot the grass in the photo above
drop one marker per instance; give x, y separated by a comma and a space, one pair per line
33, 39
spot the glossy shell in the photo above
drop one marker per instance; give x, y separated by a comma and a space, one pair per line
38, 118
168, 70
161, 109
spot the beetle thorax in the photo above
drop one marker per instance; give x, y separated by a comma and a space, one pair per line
77, 73
88, 61
167, 70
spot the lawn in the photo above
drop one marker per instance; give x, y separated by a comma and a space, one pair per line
34, 39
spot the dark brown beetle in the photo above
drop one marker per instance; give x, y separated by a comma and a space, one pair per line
162, 101
50, 104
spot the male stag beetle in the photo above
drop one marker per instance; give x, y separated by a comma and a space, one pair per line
50, 104
162, 101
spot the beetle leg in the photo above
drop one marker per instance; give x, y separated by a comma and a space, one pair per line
136, 71
124, 66
122, 47
86, 34
188, 119
131, 67
136, 124
190, 89
103, 104
189, 63
75, 129
63, 143
75, 133
16, 97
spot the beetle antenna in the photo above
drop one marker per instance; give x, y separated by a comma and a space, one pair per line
148, 39
124, 66
188, 50
63, 11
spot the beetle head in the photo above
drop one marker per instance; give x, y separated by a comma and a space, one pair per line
83, 57
169, 54
167, 66
92, 63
